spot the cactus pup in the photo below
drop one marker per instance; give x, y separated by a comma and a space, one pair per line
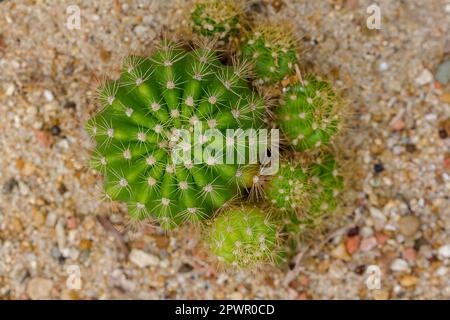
244, 237
309, 115
217, 19
272, 50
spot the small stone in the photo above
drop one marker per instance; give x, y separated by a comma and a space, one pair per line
445, 97
409, 254
359, 270
444, 251
68, 70
85, 244
353, 231
39, 288
105, 55
143, 259
443, 72
71, 222
51, 220
55, 130
409, 225
378, 167
140, 30
443, 134
399, 265
368, 244
44, 138
408, 281
424, 77
70, 105
410, 147
48, 95
38, 217
366, 232
185, 268
352, 244
383, 66
340, 252
10, 88
378, 216
380, 294
9, 185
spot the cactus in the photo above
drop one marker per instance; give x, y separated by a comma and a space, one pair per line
244, 237
289, 189
272, 50
217, 19
137, 133
306, 193
309, 116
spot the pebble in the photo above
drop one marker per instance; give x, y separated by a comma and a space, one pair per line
48, 95
380, 294
408, 281
143, 259
378, 216
366, 232
9, 185
352, 244
10, 88
383, 66
444, 251
140, 30
340, 252
368, 244
399, 265
409, 225
51, 220
39, 288
424, 77
409, 254
443, 72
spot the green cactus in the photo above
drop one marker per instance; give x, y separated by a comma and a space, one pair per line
288, 189
309, 116
272, 50
138, 131
244, 237
217, 19
307, 193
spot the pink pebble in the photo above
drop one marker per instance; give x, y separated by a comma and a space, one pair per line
368, 244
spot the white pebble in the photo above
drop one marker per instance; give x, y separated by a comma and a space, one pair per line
444, 251
10, 88
399, 265
424, 77
383, 66
143, 259
48, 95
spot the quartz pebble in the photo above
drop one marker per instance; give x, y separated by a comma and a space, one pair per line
444, 251
143, 259
409, 225
424, 77
39, 288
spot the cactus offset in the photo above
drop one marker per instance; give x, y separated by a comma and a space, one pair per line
137, 133
217, 19
309, 116
244, 237
272, 50
310, 192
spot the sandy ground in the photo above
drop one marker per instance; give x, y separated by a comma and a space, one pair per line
52, 218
